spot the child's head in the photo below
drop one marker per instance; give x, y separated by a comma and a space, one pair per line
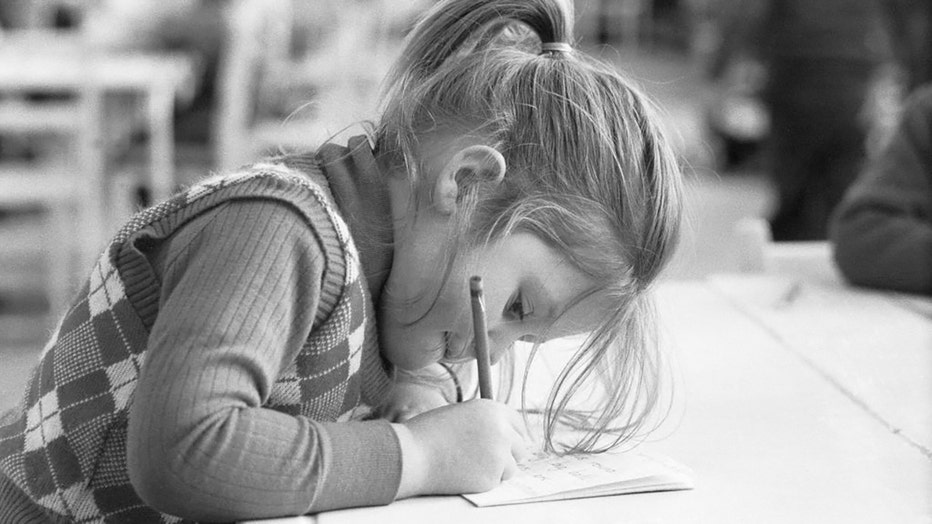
544, 146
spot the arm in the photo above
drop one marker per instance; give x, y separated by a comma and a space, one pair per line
416, 392
239, 295
882, 231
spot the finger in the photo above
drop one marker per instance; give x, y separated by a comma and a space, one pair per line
390, 415
519, 448
400, 413
381, 411
526, 435
517, 422
511, 469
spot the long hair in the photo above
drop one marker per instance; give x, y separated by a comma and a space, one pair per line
589, 172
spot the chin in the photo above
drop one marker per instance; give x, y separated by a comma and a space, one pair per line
411, 359
404, 362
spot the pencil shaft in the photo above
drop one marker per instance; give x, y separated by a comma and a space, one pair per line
481, 337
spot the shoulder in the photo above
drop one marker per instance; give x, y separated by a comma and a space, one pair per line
263, 201
301, 188
262, 217
256, 223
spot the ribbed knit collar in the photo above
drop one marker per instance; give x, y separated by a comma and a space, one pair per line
361, 194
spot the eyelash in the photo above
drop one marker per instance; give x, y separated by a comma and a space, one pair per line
516, 307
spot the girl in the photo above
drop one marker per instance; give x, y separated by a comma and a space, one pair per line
212, 365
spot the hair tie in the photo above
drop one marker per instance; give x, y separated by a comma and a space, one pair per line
555, 47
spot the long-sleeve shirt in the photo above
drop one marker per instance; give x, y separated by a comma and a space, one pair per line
245, 383
882, 231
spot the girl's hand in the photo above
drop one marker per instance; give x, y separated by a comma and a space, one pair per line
462, 448
418, 391
409, 399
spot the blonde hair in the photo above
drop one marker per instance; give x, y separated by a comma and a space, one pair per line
589, 172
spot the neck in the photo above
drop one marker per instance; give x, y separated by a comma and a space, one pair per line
419, 239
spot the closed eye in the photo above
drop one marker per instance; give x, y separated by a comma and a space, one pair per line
517, 308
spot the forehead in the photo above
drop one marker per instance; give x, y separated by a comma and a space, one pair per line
523, 261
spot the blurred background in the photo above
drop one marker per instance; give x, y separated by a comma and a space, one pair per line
109, 105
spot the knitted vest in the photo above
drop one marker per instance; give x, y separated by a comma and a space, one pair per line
66, 447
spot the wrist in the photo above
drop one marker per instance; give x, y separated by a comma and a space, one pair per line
415, 464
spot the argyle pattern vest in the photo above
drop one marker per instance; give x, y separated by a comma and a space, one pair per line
65, 446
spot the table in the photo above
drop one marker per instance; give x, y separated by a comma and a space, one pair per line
54, 62
874, 347
779, 424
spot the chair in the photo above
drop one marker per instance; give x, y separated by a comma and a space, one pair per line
49, 188
56, 132
259, 66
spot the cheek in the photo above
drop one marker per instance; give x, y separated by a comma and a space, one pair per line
453, 300
451, 308
412, 345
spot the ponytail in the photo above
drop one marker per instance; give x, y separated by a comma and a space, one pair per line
452, 25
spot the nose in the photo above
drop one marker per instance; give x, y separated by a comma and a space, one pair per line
502, 337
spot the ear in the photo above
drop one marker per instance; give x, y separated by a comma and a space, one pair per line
471, 165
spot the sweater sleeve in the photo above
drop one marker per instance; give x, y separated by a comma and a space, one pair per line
882, 231
239, 294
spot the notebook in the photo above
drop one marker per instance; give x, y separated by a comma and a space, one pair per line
548, 477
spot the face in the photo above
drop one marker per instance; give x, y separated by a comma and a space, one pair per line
528, 287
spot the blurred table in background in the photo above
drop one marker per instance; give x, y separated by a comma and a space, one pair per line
798, 399
279, 95
56, 64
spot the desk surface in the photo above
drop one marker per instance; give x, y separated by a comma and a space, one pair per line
771, 436
874, 347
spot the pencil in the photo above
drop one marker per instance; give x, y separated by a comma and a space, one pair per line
481, 337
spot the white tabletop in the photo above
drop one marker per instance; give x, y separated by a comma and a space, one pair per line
875, 347
771, 436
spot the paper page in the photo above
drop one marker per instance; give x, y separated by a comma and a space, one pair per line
551, 477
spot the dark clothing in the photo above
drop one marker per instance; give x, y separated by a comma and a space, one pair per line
821, 57
817, 142
883, 229
909, 24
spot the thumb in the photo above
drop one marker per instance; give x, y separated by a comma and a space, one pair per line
511, 469
519, 448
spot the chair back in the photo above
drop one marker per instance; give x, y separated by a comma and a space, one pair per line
277, 92
47, 141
